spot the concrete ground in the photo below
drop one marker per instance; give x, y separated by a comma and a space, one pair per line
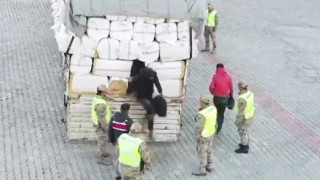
272, 45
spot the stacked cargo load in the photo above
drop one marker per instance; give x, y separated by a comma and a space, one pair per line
103, 53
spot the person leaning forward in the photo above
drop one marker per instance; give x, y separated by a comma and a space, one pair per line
205, 130
101, 115
132, 152
244, 116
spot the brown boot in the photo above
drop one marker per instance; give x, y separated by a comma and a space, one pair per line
102, 161
200, 172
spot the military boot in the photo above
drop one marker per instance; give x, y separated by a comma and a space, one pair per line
200, 172
209, 167
102, 161
243, 149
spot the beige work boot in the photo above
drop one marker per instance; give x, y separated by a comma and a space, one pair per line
102, 161
200, 172
209, 167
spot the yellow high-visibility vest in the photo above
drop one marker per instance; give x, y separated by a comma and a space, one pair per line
129, 150
210, 114
250, 109
211, 21
94, 116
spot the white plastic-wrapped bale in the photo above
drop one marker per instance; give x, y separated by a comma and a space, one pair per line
169, 70
155, 20
183, 31
88, 46
80, 65
112, 68
173, 20
179, 50
83, 84
121, 30
112, 17
166, 32
129, 50
143, 33
108, 49
98, 28
171, 87
149, 52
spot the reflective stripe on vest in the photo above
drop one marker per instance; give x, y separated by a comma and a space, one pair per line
129, 150
94, 116
250, 109
211, 21
210, 114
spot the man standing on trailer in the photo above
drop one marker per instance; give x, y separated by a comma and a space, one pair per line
101, 115
205, 130
210, 28
244, 116
120, 123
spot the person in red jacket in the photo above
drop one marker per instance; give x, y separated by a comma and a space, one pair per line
221, 88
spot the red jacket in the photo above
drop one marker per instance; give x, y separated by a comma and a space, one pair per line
221, 84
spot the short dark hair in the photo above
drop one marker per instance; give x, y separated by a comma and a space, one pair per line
125, 107
220, 65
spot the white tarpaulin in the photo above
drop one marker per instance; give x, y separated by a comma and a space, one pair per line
108, 49
112, 68
180, 50
80, 65
143, 33
77, 11
169, 70
87, 83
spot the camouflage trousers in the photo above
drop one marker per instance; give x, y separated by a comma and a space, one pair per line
204, 149
243, 126
130, 173
210, 32
102, 141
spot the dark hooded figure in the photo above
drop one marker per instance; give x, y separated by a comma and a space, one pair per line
141, 86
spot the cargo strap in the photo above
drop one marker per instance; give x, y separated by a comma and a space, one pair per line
69, 46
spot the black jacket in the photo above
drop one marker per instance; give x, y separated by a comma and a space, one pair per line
120, 123
142, 85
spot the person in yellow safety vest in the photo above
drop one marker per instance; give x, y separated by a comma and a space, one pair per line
244, 116
101, 115
210, 28
205, 130
132, 152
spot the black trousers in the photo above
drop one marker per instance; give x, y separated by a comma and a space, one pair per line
220, 103
150, 111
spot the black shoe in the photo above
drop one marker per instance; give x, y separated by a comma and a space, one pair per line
118, 178
244, 149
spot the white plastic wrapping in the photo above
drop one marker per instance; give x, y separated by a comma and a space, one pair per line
149, 52
121, 30
171, 87
108, 49
183, 31
98, 23
88, 46
166, 32
97, 34
172, 52
143, 33
80, 65
113, 68
129, 50
169, 70
87, 83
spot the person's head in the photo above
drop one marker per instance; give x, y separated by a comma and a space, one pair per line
125, 107
136, 127
102, 90
242, 86
219, 65
210, 7
205, 100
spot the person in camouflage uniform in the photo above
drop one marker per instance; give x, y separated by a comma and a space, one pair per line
100, 116
244, 116
133, 153
205, 129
